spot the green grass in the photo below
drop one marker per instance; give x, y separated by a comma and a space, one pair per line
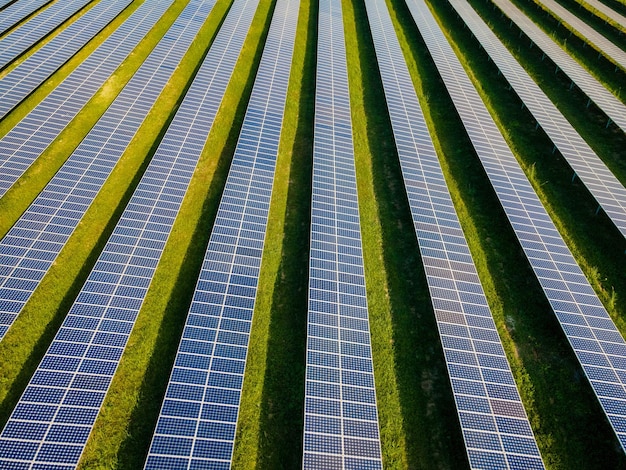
419, 425
28, 338
270, 428
123, 430
597, 64
29, 185
550, 381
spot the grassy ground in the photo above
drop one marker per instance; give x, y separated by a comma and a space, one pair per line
123, 431
551, 383
25, 190
272, 407
598, 65
27, 340
419, 426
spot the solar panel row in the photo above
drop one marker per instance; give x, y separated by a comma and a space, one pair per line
4, 3
27, 76
609, 49
340, 414
597, 343
18, 11
34, 242
41, 25
603, 98
23, 144
52, 421
196, 426
495, 426
605, 11
591, 170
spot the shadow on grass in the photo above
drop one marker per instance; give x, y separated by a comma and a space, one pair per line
603, 67
42, 343
567, 419
433, 437
282, 402
135, 447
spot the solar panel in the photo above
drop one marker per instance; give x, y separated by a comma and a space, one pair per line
32, 72
340, 413
601, 183
492, 416
603, 98
75, 373
604, 11
4, 3
606, 47
33, 243
16, 12
598, 345
31, 136
196, 426
26, 36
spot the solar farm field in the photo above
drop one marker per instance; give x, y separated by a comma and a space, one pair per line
341, 234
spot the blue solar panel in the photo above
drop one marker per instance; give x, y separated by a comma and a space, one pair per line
597, 343
601, 96
591, 170
16, 12
34, 242
26, 36
479, 372
196, 426
28, 75
31, 136
612, 51
74, 375
605, 12
340, 413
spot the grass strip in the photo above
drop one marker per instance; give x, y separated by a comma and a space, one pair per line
419, 428
31, 183
47, 38
123, 431
271, 416
609, 142
604, 25
28, 338
560, 403
591, 59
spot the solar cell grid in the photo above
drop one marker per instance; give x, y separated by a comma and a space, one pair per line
577, 308
196, 426
597, 40
30, 137
341, 422
602, 184
603, 98
18, 41
17, 11
605, 11
56, 210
